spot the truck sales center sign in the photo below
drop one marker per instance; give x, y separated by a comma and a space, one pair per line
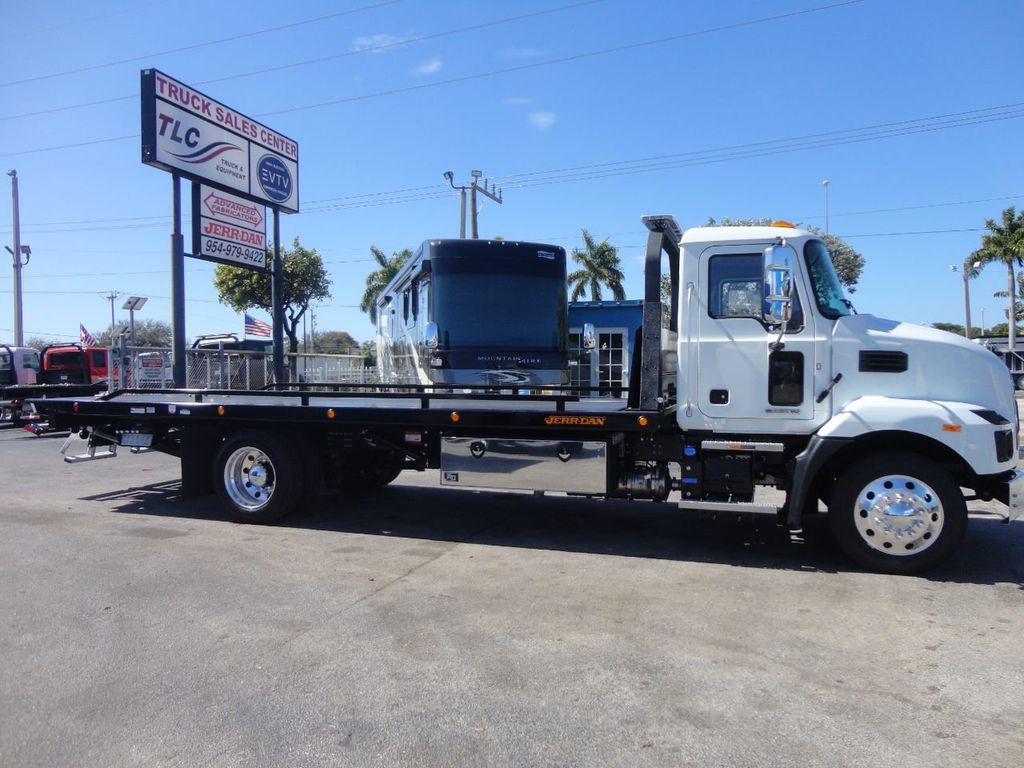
228, 229
186, 132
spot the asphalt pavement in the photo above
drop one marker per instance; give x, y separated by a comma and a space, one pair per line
428, 626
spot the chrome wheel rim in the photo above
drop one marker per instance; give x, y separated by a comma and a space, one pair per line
249, 479
898, 515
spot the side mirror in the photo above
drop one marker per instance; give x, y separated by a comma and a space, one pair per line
431, 336
778, 282
589, 337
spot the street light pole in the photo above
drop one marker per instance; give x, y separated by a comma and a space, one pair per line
825, 185
19, 333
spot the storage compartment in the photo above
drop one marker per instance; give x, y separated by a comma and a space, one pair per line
570, 466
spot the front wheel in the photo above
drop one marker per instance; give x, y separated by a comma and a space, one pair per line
897, 512
256, 477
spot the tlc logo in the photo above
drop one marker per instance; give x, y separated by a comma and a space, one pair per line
190, 138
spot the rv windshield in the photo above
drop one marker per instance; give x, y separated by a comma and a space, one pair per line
494, 304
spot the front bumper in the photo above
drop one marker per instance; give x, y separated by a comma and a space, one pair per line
1011, 493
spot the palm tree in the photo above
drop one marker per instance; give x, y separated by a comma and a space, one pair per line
1005, 244
600, 262
377, 280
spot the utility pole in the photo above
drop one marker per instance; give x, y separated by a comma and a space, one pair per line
19, 250
493, 193
110, 297
488, 190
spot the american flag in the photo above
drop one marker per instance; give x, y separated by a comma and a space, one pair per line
254, 327
86, 337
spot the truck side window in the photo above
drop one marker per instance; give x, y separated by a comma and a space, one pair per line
99, 359
32, 361
736, 288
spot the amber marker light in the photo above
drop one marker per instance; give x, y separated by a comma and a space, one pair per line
781, 223
642, 421
330, 413
455, 416
220, 410
952, 428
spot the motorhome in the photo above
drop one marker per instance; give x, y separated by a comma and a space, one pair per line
475, 312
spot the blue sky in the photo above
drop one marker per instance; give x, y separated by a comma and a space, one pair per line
589, 114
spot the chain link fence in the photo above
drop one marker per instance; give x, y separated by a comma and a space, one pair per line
151, 368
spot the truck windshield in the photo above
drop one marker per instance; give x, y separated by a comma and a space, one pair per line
828, 291
498, 304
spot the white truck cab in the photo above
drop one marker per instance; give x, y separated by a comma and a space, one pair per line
889, 418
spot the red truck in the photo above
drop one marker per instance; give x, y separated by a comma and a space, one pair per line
59, 370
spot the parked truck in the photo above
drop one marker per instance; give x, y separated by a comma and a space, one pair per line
64, 370
765, 378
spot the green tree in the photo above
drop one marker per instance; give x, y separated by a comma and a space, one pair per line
1004, 244
957, 329
848, 263
335, 343
305, 281
600, 266
377, 280
148, 333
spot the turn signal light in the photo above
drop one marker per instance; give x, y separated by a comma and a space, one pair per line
455, 416
330, 413
642, 421
220, 410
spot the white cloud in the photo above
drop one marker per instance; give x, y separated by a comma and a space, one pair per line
429, 67
543, 120
374, 42
517, 101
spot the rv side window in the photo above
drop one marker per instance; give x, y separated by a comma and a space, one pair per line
415, 300
405, 306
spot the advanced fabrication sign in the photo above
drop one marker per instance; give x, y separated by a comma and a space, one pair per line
189, 133
228, 229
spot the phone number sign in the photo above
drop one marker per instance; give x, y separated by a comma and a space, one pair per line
187, 132
228, 229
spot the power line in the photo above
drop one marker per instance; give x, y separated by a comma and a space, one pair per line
321, 59
565, 59
196, 46
493, 73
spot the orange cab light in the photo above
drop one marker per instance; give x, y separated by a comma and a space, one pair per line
783, 223
455, 416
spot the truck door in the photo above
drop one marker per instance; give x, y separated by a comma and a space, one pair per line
739, 375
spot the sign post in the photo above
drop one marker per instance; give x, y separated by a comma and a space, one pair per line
238, 167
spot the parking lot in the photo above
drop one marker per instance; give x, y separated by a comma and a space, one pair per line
424, 626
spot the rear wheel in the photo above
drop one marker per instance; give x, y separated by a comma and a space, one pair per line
897, 512
256, 477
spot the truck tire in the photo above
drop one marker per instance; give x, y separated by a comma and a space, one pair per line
256, 477
897, 512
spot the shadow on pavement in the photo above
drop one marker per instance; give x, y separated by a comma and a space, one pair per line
993, 552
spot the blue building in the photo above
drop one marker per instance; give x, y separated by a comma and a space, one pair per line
615, 324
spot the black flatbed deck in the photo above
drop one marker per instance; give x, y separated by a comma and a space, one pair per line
351, 407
